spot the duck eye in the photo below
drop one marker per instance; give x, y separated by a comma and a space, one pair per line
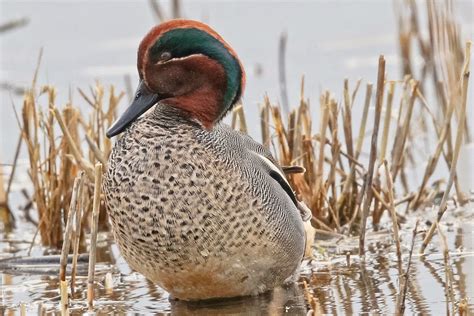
165, 56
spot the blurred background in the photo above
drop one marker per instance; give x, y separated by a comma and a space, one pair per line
84, 41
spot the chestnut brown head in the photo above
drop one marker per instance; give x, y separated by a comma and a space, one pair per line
185, 64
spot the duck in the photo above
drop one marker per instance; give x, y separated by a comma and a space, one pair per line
198, 208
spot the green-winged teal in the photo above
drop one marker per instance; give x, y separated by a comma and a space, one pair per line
198, 208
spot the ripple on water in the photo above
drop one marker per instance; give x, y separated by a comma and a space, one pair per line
363, 287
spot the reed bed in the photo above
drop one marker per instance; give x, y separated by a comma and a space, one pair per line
59, 144
340, 185
355, 173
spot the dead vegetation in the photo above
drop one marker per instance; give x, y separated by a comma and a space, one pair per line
342, 186
59, 144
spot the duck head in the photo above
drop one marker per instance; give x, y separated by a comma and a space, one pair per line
187, 65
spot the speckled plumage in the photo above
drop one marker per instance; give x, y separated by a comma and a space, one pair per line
197, 211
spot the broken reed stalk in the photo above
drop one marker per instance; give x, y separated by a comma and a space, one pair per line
238, 114
109, 283
64, 298
78, 181
373, 153
452, 173
68, 230
93, 241
76, 235
400, 304
387, 120
322, 134
360, 137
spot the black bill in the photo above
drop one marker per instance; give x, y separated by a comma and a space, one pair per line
144, 99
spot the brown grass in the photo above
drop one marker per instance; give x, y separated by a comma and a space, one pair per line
56, 159
340, 186
339, 183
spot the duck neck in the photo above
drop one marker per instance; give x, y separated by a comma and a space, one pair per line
202, 105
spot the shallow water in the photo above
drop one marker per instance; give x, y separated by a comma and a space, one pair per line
320, 47
84, 41
339, 285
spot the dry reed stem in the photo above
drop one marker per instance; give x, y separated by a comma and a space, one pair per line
64, 298
319, 187
404, 279
93, 241
38, 64
373, 153
347, 117
239, 115
387, 120
452, 173
350, 185
84, 164
99, 155
281, 136
76, 236
401, 137
43, 168
69, 228
109, 283
433, 161
335, 155
360, 138
54, 161
265, 122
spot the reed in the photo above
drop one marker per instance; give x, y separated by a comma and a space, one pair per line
373, 153
324, 161
56, 159
338, 184
93, 245
459, 141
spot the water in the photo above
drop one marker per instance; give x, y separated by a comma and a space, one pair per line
84, 41
338, 288
327, 41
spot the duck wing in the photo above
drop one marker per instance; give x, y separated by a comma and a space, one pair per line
262, 156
